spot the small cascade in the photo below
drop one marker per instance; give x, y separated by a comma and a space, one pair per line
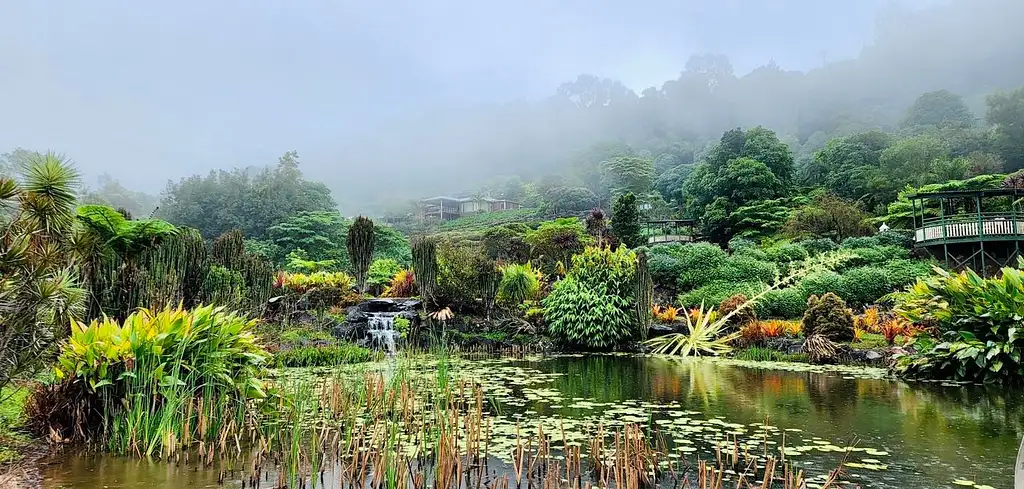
380, 328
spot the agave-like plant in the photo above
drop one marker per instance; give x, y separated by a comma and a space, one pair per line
703, 336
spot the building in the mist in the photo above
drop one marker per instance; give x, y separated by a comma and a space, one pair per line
448, 208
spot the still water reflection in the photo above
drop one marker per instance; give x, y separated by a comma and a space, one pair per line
930, 434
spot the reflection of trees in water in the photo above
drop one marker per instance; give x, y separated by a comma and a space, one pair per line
918, 418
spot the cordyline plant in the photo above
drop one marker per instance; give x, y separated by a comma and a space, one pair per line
39, 291
704, 329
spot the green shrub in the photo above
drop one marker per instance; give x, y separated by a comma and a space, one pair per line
786, 252
665, 269
301, 336
818, 283
592, 306
519, 283
902, 238
322, 356
876, 255
507, 243
906, 272
458, 267
700, 262
864, 285
381, 272
716, 292
788, 303
745, 269
860, 242
978, 320
819, 245
828, 316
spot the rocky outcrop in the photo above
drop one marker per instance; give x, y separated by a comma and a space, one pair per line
357, 317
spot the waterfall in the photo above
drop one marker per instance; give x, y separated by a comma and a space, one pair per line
380, 327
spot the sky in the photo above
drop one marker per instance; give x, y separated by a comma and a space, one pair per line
151, 91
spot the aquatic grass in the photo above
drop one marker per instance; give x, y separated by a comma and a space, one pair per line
323, 356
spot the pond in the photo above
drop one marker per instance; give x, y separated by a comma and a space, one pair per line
903, 435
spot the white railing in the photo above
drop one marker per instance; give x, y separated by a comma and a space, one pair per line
988, 226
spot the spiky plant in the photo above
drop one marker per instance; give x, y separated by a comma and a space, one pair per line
644, 292
424, 265
229, 249
360, 249
39, 290
705, 335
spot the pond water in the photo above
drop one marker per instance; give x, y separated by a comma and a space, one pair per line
904, 435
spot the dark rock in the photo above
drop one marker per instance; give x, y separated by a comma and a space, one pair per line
357, 316
658, 329
871, 357
789, 346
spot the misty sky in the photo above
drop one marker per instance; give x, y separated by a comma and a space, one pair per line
154, 90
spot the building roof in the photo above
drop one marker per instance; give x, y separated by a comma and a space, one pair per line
990, 192
466, 199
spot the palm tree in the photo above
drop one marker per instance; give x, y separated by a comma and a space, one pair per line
39, 291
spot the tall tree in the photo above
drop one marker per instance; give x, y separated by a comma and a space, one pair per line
246, 199
1006, 114
626, 221
937, 109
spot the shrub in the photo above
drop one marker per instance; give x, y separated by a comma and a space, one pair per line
558, 240
744, 316
593, 306
785, 303
977, 319
302, 283
381, 272
458, 267
665, 269
322, 356
519, 283
699, 262
716, 292
906, 272
746, 269
828, 316
864, 285
818, 283
902, 238
877, 255
507, 243
861, 242
819, 245
403, 284
786, 253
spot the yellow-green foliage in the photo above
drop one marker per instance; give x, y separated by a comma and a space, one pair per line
519, 283
207, 347
301, 282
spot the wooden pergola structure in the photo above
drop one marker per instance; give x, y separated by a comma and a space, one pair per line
978, 229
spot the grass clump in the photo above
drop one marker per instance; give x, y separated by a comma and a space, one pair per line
322, 356
759, 354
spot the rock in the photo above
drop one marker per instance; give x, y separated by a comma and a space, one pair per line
658, 329
873, 356
356, 317
789, 346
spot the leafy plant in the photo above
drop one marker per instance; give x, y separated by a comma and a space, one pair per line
301, 283
742, 316
403, 284
519, 283
381, 272
593, 307
978, 323
829, 317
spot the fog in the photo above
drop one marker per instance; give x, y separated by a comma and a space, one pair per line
389, 101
